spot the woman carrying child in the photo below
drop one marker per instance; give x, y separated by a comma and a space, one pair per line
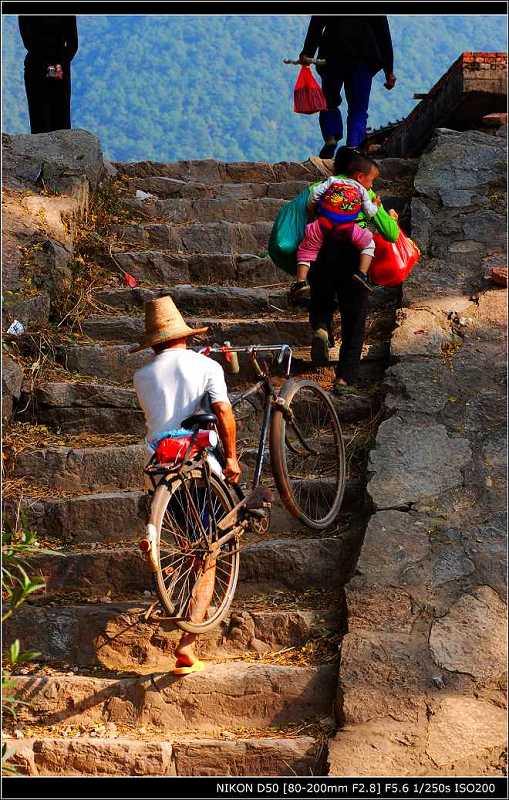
330, 252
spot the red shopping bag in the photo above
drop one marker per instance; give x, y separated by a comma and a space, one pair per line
308, 98
393, 261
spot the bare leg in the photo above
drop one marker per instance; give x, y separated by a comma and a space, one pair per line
365, 263
200, 602
302, 272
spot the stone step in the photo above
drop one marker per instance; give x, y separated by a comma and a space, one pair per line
194, 191
290, 563
183, 211
215, 268
186, 756
115, 363
192, 299
239, 331
195, 298
110, 517
114, 466
205, 237
77, 407
212, 172
231, 695
113, 636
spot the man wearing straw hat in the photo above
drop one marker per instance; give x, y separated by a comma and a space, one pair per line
177, 383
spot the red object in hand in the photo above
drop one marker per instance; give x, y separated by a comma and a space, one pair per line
308, 98
173, 449
393, 261
130, 280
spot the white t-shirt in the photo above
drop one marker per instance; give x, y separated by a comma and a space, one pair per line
175, 385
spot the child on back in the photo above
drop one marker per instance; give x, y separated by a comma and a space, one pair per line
338, 202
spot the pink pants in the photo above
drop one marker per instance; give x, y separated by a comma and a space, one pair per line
308, 250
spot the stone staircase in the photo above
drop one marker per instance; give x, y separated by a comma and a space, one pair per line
101, 697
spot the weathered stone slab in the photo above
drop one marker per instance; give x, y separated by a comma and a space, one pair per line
231, 695
460, 161
66, 468
296, 564
121, 572
30, 311
12, 379
217, 210
113, 363
246, 269
452, 280
104, 517
114, 635
64, 154
422, 222
421, 387
486, 546
472, 636
121, 756
189, 298
418, 333
462, 727
379, 747
383, 674
299, 756
208, 237
210, 171
192, 757
411, 463
486, 226
393, 544
238, 331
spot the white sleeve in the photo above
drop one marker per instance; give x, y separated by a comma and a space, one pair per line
317, 191
368, 206
216, 384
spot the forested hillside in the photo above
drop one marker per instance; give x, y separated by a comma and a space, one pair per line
165, 88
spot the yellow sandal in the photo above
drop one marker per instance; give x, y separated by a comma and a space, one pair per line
198, 666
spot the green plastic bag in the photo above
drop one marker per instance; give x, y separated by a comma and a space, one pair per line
287, 233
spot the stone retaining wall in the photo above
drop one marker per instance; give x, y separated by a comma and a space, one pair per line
422, 675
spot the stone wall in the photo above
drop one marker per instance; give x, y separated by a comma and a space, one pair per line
423, 666
475, 85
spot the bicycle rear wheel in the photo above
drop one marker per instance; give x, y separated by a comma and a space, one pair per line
182, 548
307, 454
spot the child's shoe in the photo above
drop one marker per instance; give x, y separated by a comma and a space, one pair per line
298, 294
364, 280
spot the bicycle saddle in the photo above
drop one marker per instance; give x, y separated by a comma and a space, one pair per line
199, 421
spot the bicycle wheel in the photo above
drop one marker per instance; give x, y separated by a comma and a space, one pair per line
181, 547
307, 454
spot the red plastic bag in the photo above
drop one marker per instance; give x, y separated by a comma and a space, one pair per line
308, 98
393, 261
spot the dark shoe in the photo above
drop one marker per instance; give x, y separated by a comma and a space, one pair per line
332, 339
320, 348
298, 294
364, 280
328, 150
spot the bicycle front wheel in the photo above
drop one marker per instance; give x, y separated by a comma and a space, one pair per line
307, 454
182, 509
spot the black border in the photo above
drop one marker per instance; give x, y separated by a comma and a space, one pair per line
294, 7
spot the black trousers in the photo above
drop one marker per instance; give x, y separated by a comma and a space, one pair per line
332, 287
49, 100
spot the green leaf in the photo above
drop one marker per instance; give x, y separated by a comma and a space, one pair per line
14, 652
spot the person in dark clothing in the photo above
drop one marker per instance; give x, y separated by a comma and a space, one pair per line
354, 49
52, 43
330, 289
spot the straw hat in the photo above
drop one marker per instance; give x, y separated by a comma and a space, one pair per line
163, 323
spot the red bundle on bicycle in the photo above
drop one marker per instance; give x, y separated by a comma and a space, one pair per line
173, 449
308, 98
393, 261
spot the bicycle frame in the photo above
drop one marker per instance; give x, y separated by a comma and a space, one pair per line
264, 384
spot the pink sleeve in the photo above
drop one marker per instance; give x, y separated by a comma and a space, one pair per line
311, 243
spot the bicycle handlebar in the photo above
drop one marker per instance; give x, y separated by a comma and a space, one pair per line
253, 349
318, 61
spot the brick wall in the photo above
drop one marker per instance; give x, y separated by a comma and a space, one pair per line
474, 85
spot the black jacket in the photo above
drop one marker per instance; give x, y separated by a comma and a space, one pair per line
356, 39
49, 40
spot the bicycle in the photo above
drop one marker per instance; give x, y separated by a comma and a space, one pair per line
197, 519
